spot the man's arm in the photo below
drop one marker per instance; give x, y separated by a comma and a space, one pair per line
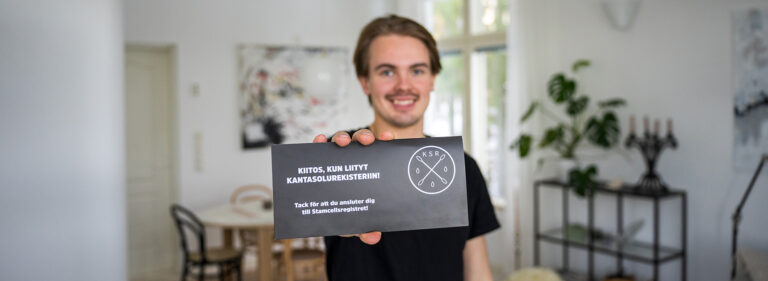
476, 264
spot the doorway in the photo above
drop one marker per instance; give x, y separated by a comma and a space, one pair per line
150, 153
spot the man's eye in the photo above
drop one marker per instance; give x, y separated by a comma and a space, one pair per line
387, 73
418, 71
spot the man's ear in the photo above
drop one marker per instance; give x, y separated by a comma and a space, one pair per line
364, 84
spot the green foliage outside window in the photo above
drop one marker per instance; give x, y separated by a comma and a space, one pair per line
447, 18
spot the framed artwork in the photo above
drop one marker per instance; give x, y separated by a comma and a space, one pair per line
750, 86
289, 94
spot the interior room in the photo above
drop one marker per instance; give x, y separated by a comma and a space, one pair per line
618, 139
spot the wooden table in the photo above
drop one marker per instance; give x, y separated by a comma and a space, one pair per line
250, 216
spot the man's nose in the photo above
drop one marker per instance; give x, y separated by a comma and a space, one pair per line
404, 82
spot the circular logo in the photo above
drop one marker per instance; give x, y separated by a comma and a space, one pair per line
431, 169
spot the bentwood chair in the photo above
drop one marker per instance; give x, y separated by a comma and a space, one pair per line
251, 193
227, 261
248, 194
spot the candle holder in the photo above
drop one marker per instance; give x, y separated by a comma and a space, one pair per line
651, 145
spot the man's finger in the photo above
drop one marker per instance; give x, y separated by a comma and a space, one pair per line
320, 139
386, 136
363, 136
370, 238
341, 138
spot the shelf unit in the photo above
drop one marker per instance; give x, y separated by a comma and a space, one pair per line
651, 253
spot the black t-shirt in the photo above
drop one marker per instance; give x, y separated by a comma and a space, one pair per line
430, 254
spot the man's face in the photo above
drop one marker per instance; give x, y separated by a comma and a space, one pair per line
399, 79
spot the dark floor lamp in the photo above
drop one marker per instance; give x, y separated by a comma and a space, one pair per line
737, 214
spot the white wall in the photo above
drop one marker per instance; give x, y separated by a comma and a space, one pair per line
673, 63
61, 116
206, 35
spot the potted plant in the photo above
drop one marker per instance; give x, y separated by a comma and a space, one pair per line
598, 125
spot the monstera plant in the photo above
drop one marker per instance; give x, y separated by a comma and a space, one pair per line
598, 125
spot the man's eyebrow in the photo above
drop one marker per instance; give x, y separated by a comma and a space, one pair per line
383, 65
387, 65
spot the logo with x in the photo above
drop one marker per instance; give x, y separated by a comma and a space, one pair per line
431, 169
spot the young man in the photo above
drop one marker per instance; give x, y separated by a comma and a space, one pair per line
396, 61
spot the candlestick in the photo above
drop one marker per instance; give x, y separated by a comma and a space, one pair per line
650, 147
669, 126
645, 124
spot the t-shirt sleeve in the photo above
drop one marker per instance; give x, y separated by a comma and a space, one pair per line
482, 218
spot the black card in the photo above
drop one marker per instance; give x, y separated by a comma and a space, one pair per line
321, 189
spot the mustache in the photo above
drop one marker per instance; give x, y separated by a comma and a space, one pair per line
401, 94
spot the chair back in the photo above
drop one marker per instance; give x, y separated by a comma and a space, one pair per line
250, 193
187, 222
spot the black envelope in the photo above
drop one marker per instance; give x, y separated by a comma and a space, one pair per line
321, 189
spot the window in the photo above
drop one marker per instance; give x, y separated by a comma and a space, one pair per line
445, 112
489, 16
489, 74
469, 96
446, 18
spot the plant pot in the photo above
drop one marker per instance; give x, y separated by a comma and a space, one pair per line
564, 166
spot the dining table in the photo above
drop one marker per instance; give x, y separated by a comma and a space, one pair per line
250, 216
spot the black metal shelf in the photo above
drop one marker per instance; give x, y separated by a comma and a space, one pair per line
652, 253
625, 189
638, 251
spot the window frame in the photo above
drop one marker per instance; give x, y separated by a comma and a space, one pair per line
468, 44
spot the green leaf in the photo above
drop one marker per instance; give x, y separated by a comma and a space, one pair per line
580, 64
523, 145
529, 112
583, 180
616, 102
560, 88
577, 106
552, 135
603, 132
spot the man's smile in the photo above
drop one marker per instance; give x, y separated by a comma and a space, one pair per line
403, 101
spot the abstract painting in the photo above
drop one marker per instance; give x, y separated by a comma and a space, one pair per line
750, 86
289, 94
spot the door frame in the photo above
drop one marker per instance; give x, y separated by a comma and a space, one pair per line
173, 122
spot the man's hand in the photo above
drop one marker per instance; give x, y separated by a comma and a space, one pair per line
364, 137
